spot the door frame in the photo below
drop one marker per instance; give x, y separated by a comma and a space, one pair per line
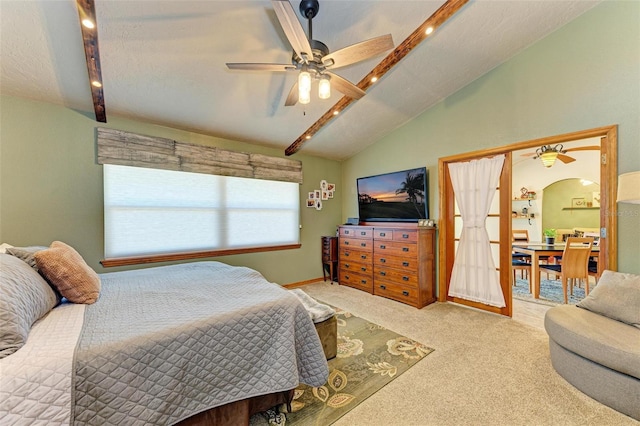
608, 220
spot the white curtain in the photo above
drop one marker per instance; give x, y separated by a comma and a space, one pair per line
474, 275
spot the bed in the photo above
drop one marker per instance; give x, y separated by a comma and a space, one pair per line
162, 345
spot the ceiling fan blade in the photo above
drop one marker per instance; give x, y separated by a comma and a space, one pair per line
261, 67
292, 98
583, 148
345, 86
566, 159
292, 29
358, 52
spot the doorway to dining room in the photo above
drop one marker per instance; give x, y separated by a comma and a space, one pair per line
606, 169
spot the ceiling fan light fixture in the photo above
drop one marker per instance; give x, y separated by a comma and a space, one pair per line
324, 87
548, 158
304, 86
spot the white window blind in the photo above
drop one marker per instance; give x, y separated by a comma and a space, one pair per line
154, 211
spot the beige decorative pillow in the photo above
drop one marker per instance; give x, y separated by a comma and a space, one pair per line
67, 271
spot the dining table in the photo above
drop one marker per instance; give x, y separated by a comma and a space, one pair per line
539, 251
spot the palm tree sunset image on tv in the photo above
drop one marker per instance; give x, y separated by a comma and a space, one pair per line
398, 196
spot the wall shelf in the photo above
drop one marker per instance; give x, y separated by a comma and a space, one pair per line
581, 208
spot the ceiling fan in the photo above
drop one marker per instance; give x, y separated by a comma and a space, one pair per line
312, 58
548, 154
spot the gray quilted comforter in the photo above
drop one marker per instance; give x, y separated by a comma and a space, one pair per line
162, 344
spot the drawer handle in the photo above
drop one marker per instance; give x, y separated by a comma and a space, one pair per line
363, 233
382, 234
363, 269
405, 293
364, 256
384, 287
405, 235
382, 246
383, 273
405, 263
363, 244
346, 243
346, 277
383, 260
347, 232
405, 278
346, 253
405, 248
346, 265
363, 281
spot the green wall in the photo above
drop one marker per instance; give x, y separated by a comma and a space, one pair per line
584, 75
557, 211
51, 187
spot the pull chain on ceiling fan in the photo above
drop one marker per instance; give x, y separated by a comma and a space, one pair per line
312, 58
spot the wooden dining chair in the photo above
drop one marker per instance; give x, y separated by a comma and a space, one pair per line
520, 236
523, 266
575, 263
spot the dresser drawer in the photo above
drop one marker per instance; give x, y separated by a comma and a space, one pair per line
393, 248
397, 292
348, 254
358, 267
352, 279
356, 232
383, 259
406, 277
356, 243
395, 235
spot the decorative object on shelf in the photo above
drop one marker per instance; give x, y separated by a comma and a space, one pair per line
524, 191
595, 199
549, 236
531, 195
578, 202
318, 195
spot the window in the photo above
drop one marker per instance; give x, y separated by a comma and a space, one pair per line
154, 211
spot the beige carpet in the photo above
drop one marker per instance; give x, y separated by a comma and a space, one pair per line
487, 370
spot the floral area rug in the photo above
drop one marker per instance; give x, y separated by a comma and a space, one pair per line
550, 292
369, 357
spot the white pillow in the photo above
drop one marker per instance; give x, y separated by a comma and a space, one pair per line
4, 247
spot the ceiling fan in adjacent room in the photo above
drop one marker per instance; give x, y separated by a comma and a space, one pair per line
312, 59
548, 154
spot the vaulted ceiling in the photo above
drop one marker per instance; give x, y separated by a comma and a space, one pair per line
164, 62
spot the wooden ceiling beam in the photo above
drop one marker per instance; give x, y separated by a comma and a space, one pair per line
439, 17
87, 11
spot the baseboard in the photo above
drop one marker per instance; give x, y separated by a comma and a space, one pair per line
301, 283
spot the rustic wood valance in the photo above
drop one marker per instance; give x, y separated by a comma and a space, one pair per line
131, 149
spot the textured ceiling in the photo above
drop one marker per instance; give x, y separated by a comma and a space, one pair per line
164, 62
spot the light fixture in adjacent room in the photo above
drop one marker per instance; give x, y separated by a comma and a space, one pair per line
324, 87
629, 188
548, 158
548, 154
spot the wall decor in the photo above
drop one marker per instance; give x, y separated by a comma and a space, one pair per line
578, 202
326, 192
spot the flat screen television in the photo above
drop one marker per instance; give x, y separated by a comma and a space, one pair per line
394, 197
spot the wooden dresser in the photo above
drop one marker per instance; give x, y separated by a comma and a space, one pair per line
389, 260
